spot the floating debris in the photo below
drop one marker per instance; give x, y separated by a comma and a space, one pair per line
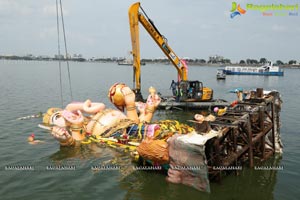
40, 114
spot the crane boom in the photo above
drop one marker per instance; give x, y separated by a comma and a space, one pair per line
135, 16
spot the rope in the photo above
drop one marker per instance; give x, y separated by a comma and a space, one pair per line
66, 50
59, 61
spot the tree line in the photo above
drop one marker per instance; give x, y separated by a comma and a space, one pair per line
247, 61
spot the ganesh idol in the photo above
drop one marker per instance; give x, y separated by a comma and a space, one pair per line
79, 120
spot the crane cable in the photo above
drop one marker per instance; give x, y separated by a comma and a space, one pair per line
66, 49
58, 51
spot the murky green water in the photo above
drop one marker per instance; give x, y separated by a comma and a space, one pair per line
31, 87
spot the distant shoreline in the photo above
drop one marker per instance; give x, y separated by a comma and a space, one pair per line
293, 66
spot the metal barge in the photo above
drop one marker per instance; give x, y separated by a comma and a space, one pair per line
170, 103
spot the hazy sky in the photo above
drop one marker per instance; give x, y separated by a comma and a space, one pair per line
194, 28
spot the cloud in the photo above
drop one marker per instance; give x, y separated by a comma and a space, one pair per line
82, 39
278, 28
206, 26
50, 10
8, 7
48, 32
227, 13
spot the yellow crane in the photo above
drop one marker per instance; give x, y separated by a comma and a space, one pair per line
188, 90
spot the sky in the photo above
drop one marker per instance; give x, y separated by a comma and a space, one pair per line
194, 29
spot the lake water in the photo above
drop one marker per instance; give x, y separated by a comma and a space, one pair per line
30, 87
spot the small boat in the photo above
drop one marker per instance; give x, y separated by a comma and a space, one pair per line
221, 74
128, 62
269, 69
125, 62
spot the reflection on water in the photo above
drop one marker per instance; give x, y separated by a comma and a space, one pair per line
94, 150
253, 184
249, 184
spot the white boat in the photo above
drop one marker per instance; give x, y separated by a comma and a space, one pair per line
125, 62
128, 62
269, 69
221, 74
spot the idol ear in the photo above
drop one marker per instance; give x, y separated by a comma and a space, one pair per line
47, 117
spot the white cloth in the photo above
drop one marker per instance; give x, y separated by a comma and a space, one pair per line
197, 139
